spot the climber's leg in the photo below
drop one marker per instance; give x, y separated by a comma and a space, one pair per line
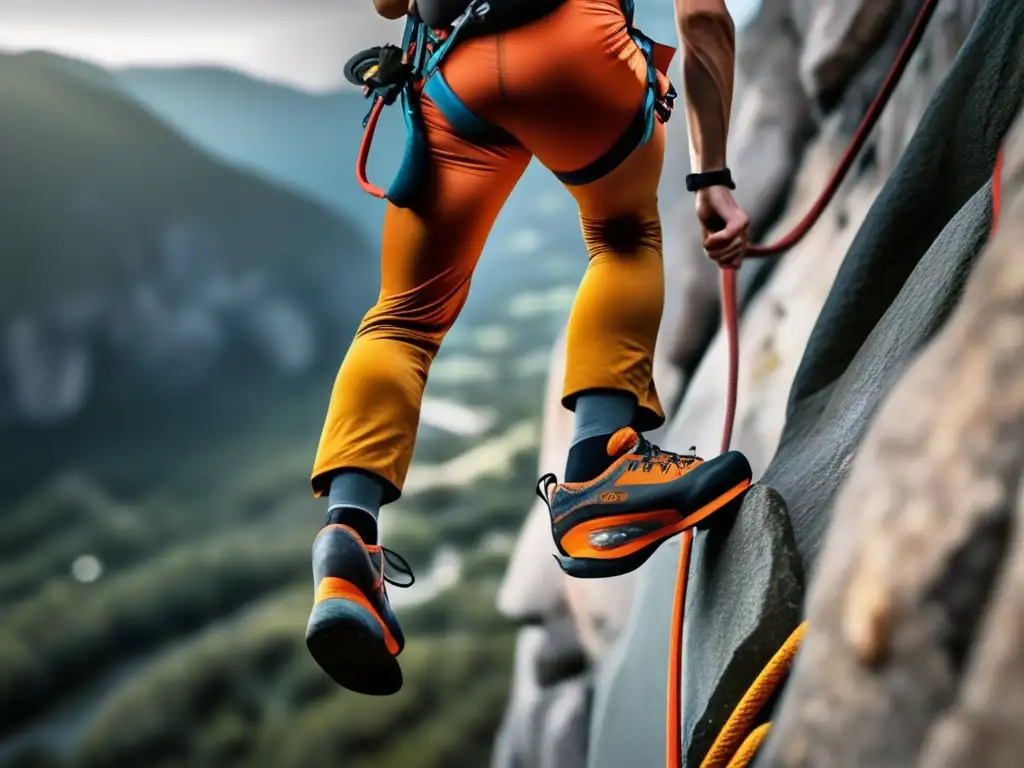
355, 499
617, 312
429, 253
569, 121
599, 414
622, 497
570, 86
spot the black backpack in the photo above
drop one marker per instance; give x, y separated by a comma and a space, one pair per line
497, 16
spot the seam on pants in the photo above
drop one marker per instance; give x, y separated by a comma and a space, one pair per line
499, 57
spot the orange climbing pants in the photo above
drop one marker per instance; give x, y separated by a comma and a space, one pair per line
566, 88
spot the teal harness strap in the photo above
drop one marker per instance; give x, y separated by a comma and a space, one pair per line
411, 173
641, 129
460, 117
412, 169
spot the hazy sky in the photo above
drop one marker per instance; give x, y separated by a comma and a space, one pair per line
300, 42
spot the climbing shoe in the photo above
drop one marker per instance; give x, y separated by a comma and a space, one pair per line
612, 524
352, 633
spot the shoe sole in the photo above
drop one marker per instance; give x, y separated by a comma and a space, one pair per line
593, 568
346, 640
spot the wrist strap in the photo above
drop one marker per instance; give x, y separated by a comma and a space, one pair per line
720, 178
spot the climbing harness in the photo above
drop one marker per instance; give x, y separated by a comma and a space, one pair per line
423, 49
739, 740
387, 72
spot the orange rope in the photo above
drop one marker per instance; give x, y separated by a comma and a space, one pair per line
749, 747
673, 741
726, 747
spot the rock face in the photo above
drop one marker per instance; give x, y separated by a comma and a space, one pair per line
914, 646
724, 654
826, 334
547, 719
898, 283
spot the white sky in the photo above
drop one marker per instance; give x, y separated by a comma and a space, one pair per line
303, 43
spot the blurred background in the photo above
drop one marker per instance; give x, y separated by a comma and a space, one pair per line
184, 257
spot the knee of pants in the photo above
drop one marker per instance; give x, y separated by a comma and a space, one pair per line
626, 235
416, 318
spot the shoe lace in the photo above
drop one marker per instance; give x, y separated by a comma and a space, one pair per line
652, 456
394, 562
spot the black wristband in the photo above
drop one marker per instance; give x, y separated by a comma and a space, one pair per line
721, 178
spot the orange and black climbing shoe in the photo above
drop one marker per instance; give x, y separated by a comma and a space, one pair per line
352, 633
612, 524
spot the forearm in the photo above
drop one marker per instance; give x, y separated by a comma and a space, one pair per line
391, 9
707, 40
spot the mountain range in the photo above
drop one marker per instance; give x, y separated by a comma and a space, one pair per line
309, 142
129, 250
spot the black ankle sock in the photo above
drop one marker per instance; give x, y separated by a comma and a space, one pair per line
355, 500
587, 459
359, 520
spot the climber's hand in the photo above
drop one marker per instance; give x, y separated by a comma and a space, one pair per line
725, 226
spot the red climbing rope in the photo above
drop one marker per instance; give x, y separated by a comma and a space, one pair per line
997, 190
743, 750
364, 151
860, 136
